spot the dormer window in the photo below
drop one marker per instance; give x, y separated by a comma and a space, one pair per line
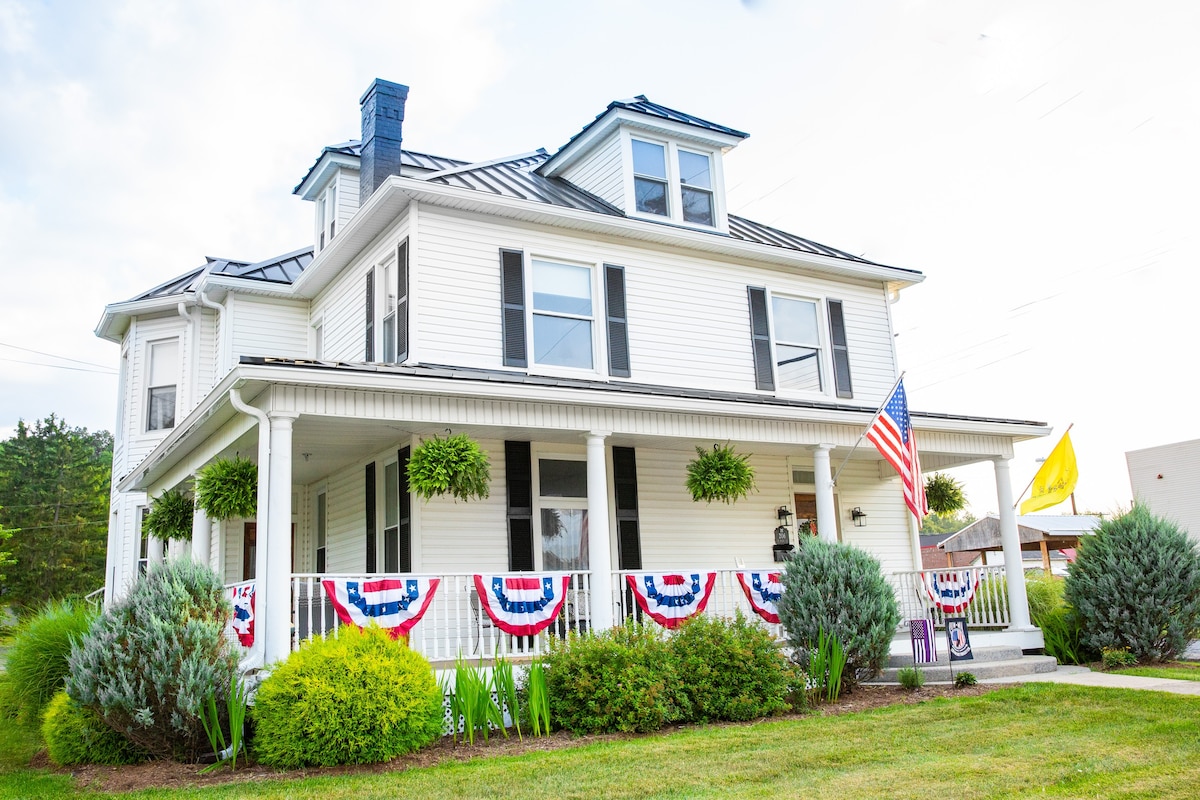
673, 182
650, 177
695, 186
327, 216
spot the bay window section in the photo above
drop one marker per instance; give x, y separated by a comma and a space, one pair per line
797, 344
562, 315
695, 178
562, 500
650, 177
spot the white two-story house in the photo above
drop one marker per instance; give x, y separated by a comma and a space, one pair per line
590, 317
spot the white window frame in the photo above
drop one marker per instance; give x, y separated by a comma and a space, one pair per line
320, 521
824, 346
537, 455
599, 341
674, 185
327, 214
318, 339
150, 387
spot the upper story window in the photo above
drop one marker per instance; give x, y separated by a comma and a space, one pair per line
327, 216
793, 350
650, 178
696, 188
563, 314
797, 344
161, 385
386, 309
673, 182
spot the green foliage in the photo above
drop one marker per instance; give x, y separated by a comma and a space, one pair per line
1045, 595
839, 589
911, 678
826, 668
621, 680
964, 679
210, 717
148, 663
729, 670
456, 466
1117, 657
944, 494
75, 734
170, 516
359, 698
505, 684
537, 698
1136, 584
946, 523
471, 704
721, 474
37, 659
54, 487
6, 559
1063, 633
228, 488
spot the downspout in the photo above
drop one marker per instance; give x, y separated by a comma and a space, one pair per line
255, 658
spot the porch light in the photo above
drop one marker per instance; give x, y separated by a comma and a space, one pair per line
859, 516
785, 516
783, 545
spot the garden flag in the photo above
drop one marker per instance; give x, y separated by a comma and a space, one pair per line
893, 436
762, 590
1055, 480
242, 621
924, 645
522, 605
951, 592
394, 604
670, 598
960, 642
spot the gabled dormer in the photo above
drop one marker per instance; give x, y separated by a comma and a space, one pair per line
332, 184
652, 162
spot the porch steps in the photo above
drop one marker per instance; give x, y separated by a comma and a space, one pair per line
989, 662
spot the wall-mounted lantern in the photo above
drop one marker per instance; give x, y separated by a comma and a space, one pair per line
859, 516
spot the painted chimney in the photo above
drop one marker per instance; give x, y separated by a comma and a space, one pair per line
382, 119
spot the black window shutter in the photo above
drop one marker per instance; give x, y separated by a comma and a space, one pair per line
405, 512
841, 355
760, 334
618, 326
370, 516
370, 343
629, 546
518, 469
402, 302
512, 289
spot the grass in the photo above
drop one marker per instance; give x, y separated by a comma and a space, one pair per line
1048, 740
1176, 670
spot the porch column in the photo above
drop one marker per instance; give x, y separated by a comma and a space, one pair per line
826, 516
1010, 540
599, 544
154, 550
278, 541
201, 537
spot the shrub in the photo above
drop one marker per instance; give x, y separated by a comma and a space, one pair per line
621, 680
841, 590
356, 699
729, 669
719, 475
1045, 593
1063, 633
149, 662
911, 678
1136, 584
964, 679
1117, 657
75, 734
37, 660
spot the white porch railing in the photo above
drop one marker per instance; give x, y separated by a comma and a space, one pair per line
987, 609
454, 623
726, 600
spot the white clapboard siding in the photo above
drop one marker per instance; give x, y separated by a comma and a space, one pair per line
457, 536
208, 368
345, 525
1165, 479
886, 534
269, 327
138, 441
600, 171
347, 196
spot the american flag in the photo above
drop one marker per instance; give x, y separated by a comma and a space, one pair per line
892, 434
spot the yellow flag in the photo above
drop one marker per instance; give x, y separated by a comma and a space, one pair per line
1055, 481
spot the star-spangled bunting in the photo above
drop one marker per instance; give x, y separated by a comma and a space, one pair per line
242, 621
893, 435
522, 605
670, 598
952, 591
394, 604
762, 590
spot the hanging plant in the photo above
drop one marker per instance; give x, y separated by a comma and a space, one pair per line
720, 474
228, 488
170, 516
943, 494
455, 466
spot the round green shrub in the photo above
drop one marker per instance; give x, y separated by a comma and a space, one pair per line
730, 669
456, 466
360, 698
151, 660
228, 488
37, 660
839, 589
75, 734
170, 516
1136, 584
719, 474
622, 680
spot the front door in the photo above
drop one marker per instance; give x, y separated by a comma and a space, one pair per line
250, 548
806, 509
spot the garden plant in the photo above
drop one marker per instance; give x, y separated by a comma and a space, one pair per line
37, 660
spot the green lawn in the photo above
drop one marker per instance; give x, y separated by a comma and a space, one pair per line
1178, 670
1045, 740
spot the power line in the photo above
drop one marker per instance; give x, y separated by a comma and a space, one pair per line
111, 372
52, 355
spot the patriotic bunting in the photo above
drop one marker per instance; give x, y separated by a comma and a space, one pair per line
524, 605
669, 598
951, 592
242, 621
394, 604
762, 590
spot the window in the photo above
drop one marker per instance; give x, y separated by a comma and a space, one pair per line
387, 308
787, 344
327, 216
322, 531
387, 289
143, 559
162, 382
673, 182
650, 177
797, 344
562, 496
696, 188
562, 315
397, 515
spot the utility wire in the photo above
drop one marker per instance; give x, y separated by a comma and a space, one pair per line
59, 366
52, 355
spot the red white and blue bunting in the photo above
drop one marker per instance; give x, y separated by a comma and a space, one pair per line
671, 598
394, 604
242, 621
952, 591
522, 605
762, 589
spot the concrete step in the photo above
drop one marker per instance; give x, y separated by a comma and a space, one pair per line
992, 669
982, 654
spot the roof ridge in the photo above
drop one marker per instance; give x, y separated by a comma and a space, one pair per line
541, 151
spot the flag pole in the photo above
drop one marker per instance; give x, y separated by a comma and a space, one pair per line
862, 435
1034, 478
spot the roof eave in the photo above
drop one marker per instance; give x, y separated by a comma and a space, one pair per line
317, 176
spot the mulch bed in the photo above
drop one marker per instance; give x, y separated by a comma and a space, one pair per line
170, 775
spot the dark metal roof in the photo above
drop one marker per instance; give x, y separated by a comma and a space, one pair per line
750, 231
408, 158
517, 179
281, 269
643, 106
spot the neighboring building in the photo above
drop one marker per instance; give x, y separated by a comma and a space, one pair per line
590, 317
1166, 479
1047, 541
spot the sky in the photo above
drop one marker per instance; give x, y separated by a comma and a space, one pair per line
1037, 161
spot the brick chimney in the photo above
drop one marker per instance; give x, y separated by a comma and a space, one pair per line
382, 119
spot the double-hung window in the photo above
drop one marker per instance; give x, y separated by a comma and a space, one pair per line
562, 501
673, 182
650, 178
563, 315
797, 344
162, 382
696, 188
327, 216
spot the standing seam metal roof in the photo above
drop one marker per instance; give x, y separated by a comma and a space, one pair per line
408, 158
280, 269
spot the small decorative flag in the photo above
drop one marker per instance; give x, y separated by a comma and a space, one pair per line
951, 592
924, 645
960, 642
670, 598
524, 605
762, 589
242, 621
893, 436
394, 604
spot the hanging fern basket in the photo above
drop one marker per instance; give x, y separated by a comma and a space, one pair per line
228, 488
456, 466
170, 516
943, 494
719, 474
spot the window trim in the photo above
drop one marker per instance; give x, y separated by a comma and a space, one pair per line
824, 363
597, 317
555, 453
150, 387
321, 526
674, 182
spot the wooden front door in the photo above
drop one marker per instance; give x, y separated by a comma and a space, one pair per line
806, 509
250, 549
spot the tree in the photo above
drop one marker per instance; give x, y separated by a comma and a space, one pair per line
946, 523
54, 490
6, 559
